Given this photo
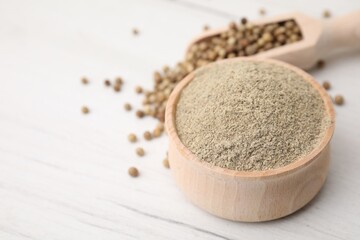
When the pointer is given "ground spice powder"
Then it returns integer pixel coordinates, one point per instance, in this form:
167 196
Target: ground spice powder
250 116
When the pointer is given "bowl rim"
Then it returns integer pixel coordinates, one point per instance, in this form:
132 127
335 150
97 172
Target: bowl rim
170 125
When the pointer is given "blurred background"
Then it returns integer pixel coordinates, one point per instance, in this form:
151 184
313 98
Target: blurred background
63 174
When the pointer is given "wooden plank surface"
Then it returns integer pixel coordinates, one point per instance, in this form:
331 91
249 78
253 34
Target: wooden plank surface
63 175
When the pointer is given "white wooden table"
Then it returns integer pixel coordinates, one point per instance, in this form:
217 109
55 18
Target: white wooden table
63 175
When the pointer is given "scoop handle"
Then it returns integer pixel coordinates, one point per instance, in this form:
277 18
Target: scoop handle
342 33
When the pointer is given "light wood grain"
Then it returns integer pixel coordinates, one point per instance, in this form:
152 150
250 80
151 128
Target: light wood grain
252 196
63 175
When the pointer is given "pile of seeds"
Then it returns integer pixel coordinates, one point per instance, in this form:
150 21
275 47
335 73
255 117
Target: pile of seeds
244 39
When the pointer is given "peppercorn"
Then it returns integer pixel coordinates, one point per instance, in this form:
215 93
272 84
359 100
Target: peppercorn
117 88
243 21
138 89
133 172
166 163
267 37
326 85
107 82
157 132
147 136
140 151
119 81
281 38
166 68
135 31
232 26
140 114
326 14
160 126
157 77
84 80
320 64
132 137
339 100
262 11
85 110
127 107
289 24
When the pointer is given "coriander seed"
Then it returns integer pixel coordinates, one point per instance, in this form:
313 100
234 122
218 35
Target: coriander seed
147 136
166 163
140 151
132 137
133 172
138 89
127 106
339 100
85 110
326 85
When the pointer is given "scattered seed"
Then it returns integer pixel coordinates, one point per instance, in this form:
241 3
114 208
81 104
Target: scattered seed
107 83
206 27
117 88
326 14
135 31
132 137
262 11
140 114
127 106
85 110
138 89
84 80
133 172
232 26
140 151
320 64
166 163
326 85
147 136
157 133
339 100
243 21
119 81
160 126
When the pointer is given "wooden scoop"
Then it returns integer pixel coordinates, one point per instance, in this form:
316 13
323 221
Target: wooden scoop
320 38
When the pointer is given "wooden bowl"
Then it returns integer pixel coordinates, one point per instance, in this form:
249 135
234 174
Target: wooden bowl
248 196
